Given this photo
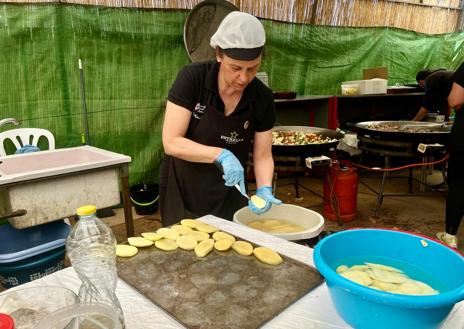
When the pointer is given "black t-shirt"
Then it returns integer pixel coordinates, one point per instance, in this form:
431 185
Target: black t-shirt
197 84
437 88
456 142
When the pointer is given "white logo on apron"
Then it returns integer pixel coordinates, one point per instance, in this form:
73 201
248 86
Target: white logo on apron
232 139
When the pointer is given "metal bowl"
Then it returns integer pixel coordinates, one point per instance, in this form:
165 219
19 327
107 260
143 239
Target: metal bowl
200 25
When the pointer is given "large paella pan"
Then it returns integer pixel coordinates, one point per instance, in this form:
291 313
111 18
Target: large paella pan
303 140
406 131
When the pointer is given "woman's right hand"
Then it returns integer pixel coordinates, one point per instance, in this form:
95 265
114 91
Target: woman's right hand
232 169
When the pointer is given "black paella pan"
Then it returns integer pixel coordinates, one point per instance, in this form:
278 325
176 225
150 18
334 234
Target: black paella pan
405 131
312 149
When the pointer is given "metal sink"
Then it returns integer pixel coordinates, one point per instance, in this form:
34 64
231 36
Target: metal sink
44 186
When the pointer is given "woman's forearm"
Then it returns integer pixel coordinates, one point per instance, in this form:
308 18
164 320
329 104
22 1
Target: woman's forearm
175 126
456 96
264 171
188 150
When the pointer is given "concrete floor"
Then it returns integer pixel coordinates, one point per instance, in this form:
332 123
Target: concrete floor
424 214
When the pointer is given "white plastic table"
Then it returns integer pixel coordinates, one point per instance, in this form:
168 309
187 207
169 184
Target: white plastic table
314 310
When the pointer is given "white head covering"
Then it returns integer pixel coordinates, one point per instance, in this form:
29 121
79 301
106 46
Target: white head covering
240 35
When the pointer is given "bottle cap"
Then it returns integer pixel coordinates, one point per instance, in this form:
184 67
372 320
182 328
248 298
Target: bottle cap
86 210
6 321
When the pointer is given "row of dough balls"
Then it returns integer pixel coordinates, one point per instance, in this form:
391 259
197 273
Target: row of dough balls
199 237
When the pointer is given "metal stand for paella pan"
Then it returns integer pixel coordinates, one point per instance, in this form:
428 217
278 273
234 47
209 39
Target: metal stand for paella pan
403 144
292 158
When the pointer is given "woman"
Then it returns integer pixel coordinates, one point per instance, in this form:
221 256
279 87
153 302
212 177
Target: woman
215 114
454 201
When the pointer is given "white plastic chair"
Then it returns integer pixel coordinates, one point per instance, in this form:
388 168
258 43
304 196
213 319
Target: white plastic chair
25 136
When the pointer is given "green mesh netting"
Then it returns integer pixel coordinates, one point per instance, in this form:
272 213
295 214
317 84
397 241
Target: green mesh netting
317 59
131 57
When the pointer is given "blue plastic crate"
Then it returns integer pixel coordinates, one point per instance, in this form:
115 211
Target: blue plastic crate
32 268
31 253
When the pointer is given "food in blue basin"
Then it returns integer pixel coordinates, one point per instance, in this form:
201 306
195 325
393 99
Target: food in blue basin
417 256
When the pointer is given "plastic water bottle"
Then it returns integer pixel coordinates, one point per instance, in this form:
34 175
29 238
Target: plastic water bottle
91 248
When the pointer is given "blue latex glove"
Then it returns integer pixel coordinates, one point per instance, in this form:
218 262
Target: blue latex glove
27 149
232 170
265 193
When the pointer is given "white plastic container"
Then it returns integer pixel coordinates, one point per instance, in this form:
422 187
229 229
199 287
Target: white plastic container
373 86
311 221
349 89
27 306
368 87
96 316
49 307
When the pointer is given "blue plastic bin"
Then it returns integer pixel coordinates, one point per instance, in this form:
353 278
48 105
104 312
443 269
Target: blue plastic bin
31 253
419 257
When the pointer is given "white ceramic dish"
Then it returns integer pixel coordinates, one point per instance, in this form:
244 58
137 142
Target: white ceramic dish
311 221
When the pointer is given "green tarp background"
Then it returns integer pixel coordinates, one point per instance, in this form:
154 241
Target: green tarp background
131 57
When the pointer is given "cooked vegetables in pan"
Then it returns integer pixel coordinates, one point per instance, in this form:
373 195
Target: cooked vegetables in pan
396 127
289 137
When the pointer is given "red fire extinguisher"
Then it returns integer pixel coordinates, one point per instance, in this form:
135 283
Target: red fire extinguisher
340 193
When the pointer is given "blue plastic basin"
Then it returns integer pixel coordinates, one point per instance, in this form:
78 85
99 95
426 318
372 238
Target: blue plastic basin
420 258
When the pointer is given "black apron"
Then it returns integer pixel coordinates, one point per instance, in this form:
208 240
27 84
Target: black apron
456 137
190 189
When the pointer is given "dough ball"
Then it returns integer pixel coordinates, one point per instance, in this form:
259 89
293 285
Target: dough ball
258 202
166 244
204 247
168 233
223 245
342 268
267 256
199 236
223 235
152 236
203 227
192 223
242 247
383 267
139 242
123 250
181 229
186 242
359 277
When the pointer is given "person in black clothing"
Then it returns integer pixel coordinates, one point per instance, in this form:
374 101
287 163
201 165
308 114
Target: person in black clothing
437 85
454 200
216 113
